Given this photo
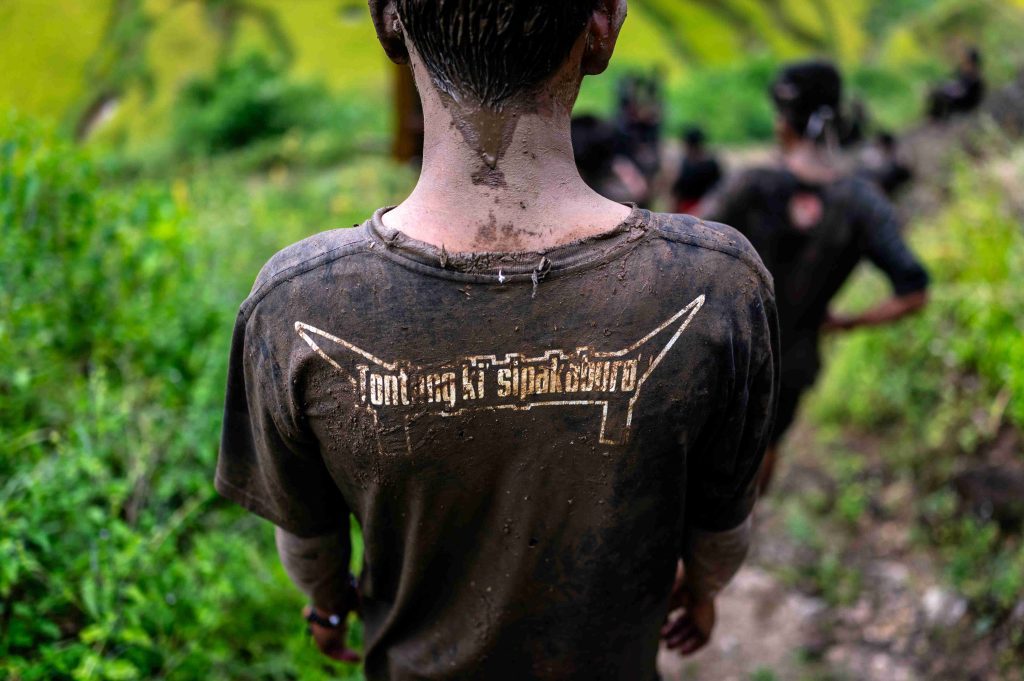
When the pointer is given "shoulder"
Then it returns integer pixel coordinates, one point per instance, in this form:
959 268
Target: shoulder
864 199
306 256
716 240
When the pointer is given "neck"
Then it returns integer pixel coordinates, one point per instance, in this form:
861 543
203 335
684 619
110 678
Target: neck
500 181
810 162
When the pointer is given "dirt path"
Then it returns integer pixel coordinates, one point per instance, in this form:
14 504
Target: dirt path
825 601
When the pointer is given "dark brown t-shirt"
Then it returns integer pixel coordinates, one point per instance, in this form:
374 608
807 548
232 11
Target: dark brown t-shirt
523 438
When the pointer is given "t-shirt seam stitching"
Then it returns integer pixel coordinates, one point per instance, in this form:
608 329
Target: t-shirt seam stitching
290 273
737 253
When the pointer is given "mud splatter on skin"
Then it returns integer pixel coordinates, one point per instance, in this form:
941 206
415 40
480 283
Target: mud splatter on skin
506 237
488 132
489 128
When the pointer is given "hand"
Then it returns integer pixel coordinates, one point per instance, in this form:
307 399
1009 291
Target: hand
691 629
331 642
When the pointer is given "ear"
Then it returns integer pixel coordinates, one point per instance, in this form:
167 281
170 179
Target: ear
389 30
602 35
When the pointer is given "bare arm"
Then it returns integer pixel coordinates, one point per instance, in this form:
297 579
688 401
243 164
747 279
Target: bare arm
710 561
889 311
319 567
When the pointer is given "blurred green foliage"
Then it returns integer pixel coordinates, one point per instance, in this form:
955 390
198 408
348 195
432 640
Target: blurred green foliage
243 102
117 561
137 55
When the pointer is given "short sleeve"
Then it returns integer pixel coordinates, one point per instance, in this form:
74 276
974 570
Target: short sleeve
884 244
265 464
722 469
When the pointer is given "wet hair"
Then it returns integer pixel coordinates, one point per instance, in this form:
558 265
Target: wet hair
694 137
491 51
807 95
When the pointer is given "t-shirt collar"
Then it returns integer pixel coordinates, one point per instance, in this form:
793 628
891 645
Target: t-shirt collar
509 266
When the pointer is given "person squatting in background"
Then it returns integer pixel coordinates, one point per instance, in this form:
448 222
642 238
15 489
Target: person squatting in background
883 164
964 93
812 222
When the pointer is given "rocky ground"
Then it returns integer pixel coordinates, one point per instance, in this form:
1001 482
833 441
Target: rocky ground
822 599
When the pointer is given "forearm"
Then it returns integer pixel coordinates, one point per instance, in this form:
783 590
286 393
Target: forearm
712 559
319 567
891 310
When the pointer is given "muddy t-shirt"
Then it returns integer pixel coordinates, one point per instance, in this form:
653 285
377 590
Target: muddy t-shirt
523 438
811 263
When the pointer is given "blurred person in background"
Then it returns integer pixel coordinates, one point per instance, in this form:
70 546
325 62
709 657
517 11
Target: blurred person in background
639 122
854 124
964 93
534 400
812 223
699 175
611 175
883 164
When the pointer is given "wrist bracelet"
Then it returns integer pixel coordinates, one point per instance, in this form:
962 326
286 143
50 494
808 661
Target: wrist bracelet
329 622
335 621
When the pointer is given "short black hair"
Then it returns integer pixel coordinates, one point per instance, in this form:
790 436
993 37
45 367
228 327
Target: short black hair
807 91
490 51
974 55
694 136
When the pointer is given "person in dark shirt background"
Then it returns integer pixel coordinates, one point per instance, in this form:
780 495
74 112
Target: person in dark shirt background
812 223
699 175
964 93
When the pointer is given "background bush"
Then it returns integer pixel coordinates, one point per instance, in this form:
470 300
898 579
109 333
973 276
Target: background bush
117 561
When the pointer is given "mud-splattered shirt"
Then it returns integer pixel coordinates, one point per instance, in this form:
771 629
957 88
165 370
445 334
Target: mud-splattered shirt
523 438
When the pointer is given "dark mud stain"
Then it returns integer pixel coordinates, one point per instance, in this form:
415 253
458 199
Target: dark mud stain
488 131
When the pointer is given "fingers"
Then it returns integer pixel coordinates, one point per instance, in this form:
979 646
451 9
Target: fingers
331 642
684 636
343 655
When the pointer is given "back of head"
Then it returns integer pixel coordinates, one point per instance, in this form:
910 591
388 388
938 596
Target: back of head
694 137
491 51
808 95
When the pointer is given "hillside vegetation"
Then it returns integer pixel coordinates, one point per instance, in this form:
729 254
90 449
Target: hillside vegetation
136 55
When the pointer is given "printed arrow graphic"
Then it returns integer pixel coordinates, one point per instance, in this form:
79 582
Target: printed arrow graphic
609 380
